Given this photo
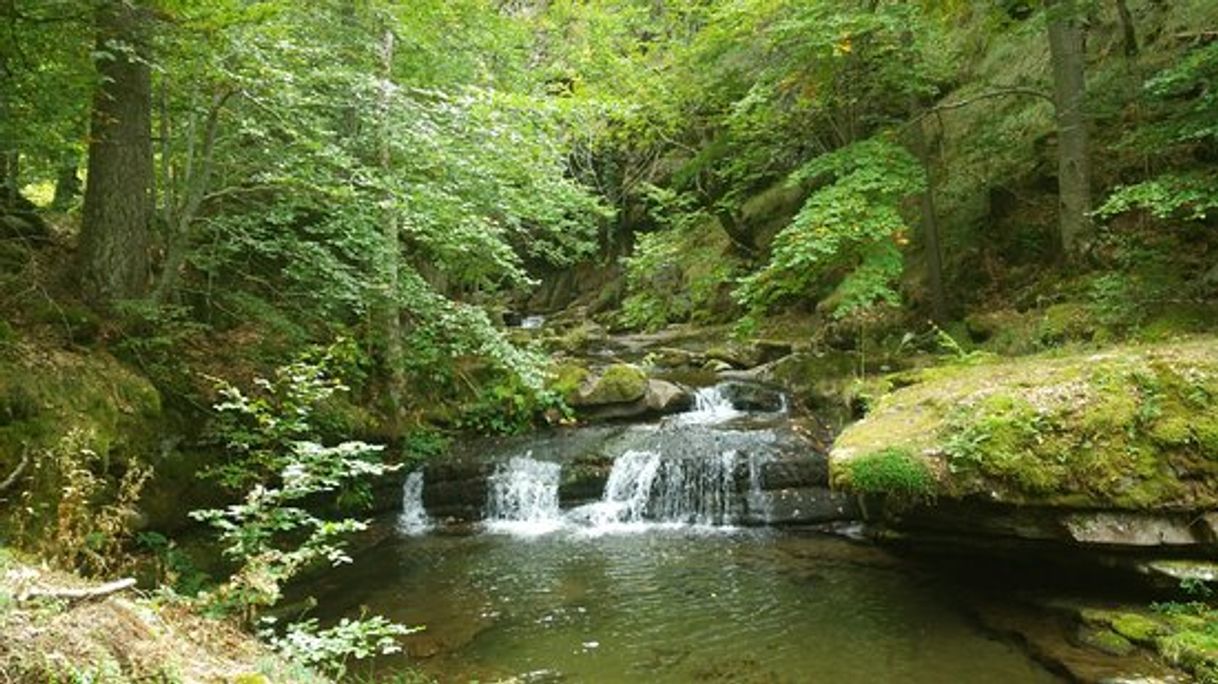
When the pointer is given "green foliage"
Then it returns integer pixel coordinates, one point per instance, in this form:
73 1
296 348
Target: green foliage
1190 196
269 533
1183 99
676 273
853 223
154 337
510 408
332 648
894 472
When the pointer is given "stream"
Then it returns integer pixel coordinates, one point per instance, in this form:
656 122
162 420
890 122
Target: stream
671 575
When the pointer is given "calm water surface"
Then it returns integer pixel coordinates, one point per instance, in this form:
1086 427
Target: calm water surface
667 604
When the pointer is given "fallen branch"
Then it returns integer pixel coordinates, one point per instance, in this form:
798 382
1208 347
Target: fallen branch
1197 36
87 594
16 474
1005 92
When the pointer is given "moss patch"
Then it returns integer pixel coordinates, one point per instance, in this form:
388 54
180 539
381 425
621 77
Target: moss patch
893 471
619 383
566 379
1129 428
47 396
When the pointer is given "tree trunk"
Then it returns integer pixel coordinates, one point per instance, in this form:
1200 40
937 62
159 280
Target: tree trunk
930 216
930 223
116 231
10 178
391 321
67 182
1127 29
1066 49
179 218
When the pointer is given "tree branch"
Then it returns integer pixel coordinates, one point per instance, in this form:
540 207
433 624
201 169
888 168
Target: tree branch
87 594
1005 92
16 474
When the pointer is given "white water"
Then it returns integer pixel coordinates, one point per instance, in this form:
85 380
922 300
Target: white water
627 492
644 490
711 406
413 519
522 497
680 485
532 322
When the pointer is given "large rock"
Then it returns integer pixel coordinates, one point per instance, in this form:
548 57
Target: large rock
1130 429
801 506
665 397
1100 458
618 384
748 396
1131 529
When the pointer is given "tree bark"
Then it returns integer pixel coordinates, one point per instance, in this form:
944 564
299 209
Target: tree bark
10 178
1130 35
930 224
1068 55
116 228
196 181
930 216
67 182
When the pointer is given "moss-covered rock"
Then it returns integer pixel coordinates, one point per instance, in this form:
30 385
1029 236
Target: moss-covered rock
54 401
618 384
566 379
1130 428
892 472
1106 641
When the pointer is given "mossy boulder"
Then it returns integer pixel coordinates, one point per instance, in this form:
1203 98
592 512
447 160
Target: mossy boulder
86 408
618 384
1131 428
567 379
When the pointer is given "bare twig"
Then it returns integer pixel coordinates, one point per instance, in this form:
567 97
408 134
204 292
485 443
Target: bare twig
86 594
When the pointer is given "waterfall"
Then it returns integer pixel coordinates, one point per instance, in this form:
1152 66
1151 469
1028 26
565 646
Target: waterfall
758 502
626 493
532 322
413 518
696 490
711 405
646 487
522 497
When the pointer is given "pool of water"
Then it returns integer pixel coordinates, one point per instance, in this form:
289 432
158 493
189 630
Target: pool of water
666 604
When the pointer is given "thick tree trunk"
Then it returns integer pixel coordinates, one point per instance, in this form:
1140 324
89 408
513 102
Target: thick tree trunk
1066 48
116 231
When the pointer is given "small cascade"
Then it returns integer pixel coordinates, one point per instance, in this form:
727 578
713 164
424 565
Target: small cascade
711 405
523 497
757 501
627 492
644 486
697 490
532 322
413 519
